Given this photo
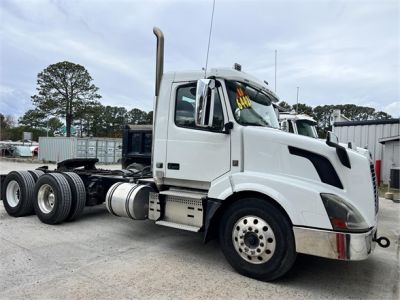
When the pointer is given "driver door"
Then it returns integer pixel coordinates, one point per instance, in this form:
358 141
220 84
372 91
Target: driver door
196 154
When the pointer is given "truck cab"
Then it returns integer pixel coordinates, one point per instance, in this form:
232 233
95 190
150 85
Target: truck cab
298 124
218 138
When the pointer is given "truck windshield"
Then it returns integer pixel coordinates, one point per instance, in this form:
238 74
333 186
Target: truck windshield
307 128
251 106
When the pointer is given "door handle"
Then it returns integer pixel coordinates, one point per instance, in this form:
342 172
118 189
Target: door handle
173 166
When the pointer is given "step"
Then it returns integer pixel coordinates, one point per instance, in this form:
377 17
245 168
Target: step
179 226
184 194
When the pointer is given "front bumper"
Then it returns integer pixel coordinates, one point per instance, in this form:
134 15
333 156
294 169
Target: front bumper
335 245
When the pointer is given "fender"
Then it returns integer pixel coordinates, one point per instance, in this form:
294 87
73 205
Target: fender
299 198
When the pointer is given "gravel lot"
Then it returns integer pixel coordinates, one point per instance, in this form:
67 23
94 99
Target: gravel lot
102 256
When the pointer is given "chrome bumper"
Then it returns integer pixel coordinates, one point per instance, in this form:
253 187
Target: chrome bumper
336 245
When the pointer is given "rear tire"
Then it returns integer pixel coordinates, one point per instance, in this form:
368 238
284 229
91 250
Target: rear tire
257 239
52 198
78 193
18 193
36 174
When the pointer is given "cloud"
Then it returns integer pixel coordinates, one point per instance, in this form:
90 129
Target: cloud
393 109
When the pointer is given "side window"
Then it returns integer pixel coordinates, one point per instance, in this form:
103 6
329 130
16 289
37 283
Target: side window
185 108
185 105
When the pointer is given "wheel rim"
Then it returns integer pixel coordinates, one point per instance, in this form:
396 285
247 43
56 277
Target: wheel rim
253 239
13 193
46 198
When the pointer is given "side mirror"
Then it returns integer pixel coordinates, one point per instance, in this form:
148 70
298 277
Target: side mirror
205 94
277 113
332 139
284 126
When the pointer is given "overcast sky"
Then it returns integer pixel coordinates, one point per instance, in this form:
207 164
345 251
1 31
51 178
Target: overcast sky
337 51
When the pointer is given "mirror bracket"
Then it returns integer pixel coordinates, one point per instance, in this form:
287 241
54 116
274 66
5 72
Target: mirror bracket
228 127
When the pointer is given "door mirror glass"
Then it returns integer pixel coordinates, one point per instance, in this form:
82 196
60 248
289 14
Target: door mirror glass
277 113
284 126
205 95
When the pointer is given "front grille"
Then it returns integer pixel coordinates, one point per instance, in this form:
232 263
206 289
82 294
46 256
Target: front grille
374 184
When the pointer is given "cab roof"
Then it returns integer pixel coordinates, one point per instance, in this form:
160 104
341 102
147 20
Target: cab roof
225 73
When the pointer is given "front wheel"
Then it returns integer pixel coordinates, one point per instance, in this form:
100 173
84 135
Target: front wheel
257 239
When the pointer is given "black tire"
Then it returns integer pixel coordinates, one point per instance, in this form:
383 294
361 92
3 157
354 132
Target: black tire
282 257
78 192
56 185
18 202
36 174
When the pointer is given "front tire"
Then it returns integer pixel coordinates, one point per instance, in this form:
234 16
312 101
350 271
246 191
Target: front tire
52 198
257 239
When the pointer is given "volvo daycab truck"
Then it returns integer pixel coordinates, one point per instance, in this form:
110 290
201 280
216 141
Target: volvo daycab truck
222 167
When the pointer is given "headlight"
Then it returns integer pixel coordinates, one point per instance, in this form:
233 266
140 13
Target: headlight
343 215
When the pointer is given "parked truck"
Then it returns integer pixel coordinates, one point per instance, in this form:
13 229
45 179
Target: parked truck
222 167
298 123
305 125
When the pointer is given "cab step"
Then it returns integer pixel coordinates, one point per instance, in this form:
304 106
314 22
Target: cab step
178 226
193 195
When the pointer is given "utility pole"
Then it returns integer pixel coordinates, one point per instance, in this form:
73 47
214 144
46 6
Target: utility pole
297 101
276 65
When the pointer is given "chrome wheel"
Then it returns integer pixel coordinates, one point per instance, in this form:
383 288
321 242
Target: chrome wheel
13 193
46 198
253 239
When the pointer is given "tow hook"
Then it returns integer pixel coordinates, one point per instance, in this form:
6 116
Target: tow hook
382 241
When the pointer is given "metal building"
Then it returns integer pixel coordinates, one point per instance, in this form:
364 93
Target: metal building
391 159
368 134
56 149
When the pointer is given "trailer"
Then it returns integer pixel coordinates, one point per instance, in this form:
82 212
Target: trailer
221 166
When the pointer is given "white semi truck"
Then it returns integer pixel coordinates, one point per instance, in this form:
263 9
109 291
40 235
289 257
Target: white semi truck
305 125
298 123
222 167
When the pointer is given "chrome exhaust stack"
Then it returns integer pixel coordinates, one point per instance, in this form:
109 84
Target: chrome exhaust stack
160 58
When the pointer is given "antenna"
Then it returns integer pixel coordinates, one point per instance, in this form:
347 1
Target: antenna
209 38
276 65
297 105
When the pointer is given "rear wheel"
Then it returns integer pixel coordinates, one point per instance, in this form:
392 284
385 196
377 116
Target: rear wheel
36 174
17 193
78 193
257 239
52 198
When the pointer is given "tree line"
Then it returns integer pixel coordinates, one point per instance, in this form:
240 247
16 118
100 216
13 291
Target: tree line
98 120
322 113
